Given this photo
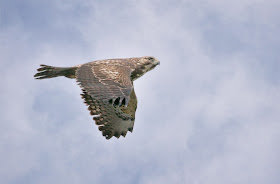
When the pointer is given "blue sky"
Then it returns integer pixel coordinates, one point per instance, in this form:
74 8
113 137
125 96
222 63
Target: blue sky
209 113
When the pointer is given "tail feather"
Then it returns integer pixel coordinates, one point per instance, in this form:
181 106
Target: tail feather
45 72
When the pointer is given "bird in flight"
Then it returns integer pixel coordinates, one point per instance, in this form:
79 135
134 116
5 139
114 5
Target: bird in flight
107 89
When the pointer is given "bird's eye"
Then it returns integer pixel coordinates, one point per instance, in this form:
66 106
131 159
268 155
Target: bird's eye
150 58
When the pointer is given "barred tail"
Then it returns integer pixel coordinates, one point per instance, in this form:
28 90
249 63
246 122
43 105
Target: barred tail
46 72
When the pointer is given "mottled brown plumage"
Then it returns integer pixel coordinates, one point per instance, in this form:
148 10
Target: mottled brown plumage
107 87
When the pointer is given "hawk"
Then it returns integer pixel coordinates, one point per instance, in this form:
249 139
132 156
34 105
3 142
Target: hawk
107 89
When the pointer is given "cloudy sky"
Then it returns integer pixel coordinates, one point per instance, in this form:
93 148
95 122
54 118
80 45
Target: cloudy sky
210 113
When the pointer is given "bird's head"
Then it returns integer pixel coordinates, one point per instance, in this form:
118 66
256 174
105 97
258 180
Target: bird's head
150 62
145 64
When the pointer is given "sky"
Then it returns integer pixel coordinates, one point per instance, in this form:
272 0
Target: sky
210 113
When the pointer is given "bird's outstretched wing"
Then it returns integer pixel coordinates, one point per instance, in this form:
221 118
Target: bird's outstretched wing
113 120
107 80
